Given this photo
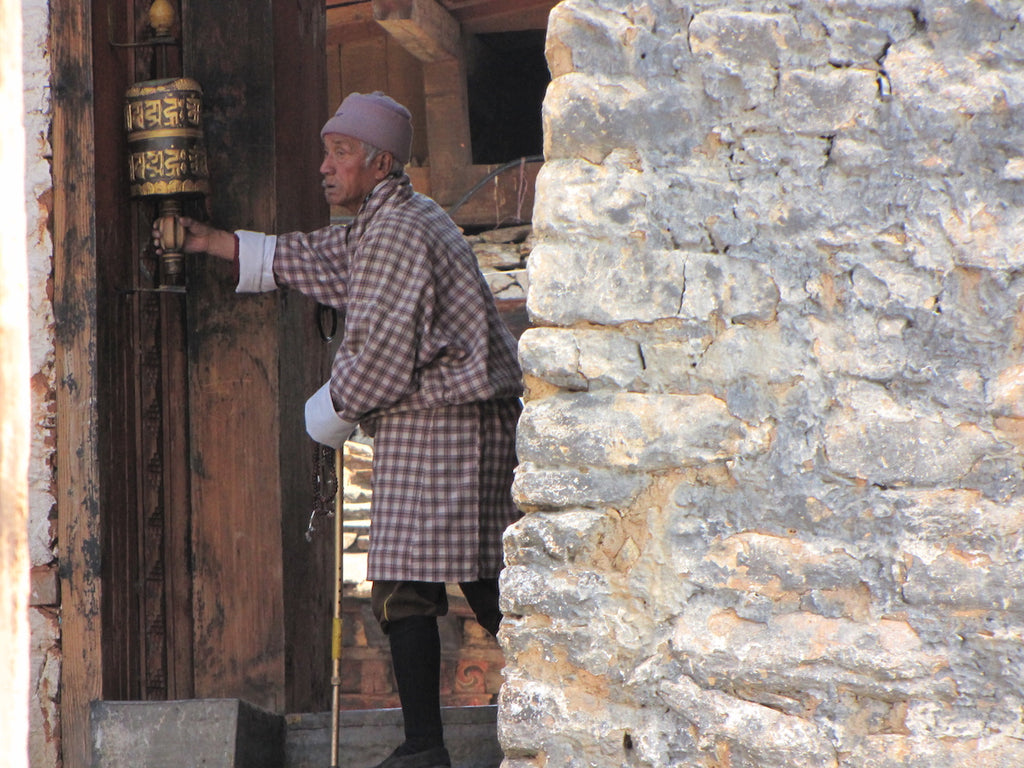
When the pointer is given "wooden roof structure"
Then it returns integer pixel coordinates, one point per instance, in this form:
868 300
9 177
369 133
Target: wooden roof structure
421 53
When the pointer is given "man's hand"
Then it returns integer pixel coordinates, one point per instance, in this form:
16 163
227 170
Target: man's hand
199 238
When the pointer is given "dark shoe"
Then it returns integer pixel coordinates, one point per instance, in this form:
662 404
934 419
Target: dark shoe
430 758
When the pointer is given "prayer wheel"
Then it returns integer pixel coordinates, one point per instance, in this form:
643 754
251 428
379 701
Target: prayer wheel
167 161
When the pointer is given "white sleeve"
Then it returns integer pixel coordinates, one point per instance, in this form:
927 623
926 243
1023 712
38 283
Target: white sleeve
255 262
323 423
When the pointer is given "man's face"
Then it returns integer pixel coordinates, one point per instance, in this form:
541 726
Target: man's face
347 179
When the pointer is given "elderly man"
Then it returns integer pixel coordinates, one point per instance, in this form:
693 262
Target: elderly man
427 367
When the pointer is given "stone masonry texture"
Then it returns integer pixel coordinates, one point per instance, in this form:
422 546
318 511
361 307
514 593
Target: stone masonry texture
44 621
772 457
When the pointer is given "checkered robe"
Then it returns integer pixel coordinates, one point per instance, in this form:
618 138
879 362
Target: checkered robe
427 366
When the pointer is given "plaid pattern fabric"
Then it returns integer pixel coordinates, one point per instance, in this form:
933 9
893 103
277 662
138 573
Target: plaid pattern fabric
421 328
428 367
441 492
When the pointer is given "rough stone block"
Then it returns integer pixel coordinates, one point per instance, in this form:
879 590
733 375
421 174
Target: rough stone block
544 487
569 596
760 40
896 750
528 709
766 354
670 364
589 118
799 653
736 291
583 37
580 359
859 42
824 103
754 736
632 431
584 117
956 580
44 674
787 157
560 537
876 439
552 354
604 286
1006 392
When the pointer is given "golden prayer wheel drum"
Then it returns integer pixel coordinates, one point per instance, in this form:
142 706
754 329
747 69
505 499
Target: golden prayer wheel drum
165 138
167 160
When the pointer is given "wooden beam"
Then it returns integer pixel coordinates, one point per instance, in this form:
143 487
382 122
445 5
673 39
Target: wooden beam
423 28
357 32
74 284
448 139
486 16
506 199
349 13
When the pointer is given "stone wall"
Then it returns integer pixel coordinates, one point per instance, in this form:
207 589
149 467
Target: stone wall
44 718
772 448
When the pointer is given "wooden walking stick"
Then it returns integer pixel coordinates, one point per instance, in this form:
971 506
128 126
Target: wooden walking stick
339 583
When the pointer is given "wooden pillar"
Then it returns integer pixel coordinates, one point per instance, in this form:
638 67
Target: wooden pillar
304 358
74 267
447 101
428 32
74 280
14 405
261 64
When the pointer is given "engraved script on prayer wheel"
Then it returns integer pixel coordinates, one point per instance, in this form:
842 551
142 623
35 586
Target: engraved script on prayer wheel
165 139
167 158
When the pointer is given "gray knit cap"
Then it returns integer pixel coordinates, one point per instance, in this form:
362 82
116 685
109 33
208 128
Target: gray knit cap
376 119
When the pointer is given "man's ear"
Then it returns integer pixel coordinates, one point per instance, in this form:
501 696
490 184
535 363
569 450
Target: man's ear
384 162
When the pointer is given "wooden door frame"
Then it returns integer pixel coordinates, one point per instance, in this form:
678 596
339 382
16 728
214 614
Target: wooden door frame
80 398
75 284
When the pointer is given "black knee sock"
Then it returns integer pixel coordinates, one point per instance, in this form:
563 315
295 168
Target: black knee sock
416 658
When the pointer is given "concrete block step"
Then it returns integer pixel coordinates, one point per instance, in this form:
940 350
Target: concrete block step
230 733
367 736
194 733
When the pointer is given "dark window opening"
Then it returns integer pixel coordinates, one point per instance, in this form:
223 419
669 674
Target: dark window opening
507 76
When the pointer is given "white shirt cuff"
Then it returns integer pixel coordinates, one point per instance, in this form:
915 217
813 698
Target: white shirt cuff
255 262
323 423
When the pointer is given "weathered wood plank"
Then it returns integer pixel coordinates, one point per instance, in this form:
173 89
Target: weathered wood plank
353 33
447 105
423 27
234 378
405 85
349 13
74 234
335 89
177 501
506 199
490 16
304 360
364 65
